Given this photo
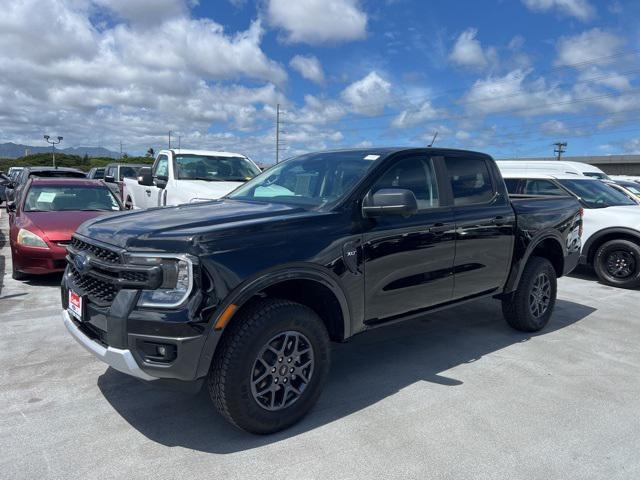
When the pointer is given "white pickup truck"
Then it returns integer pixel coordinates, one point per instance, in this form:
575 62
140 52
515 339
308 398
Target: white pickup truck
187 176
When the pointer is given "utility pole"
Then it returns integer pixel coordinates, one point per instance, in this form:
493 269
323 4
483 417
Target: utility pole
279 132
53 147
169 139
120 149
560 149
179 138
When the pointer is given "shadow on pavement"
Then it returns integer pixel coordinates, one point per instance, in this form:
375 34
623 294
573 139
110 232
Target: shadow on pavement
367 369
584 273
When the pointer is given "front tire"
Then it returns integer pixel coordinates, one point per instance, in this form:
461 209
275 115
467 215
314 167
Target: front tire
271 367
617 263
530 307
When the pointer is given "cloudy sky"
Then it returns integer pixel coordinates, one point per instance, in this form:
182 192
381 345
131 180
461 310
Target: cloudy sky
509 77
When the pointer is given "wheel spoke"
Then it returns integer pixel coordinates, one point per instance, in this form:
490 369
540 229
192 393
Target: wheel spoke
284 367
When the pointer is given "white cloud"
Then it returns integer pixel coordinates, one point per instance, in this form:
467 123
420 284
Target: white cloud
129 81
510 93
589 46
309 67
145 11
369 95
411 117
318 21
468 52
580 9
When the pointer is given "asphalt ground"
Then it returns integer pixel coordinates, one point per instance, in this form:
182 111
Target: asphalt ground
456 395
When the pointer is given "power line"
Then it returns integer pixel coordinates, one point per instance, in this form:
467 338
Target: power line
560 149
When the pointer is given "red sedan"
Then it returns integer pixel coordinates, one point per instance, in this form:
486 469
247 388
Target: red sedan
47 214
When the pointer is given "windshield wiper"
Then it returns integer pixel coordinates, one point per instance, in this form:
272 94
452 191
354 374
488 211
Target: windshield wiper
206 179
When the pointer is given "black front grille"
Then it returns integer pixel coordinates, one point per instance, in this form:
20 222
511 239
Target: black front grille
134 276
99 291
101 253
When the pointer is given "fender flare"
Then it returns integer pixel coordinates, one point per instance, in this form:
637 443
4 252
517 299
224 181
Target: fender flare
518 267
255 284
588 255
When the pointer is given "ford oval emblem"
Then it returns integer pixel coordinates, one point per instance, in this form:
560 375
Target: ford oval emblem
82 263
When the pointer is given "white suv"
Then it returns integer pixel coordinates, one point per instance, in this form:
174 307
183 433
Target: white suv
611 222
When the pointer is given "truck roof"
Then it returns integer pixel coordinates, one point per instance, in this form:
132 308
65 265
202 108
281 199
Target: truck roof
215 153
534 174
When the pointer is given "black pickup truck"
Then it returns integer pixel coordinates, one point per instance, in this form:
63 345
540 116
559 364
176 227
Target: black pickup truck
245 293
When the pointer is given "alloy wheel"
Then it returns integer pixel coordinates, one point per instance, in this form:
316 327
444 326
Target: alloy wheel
282 370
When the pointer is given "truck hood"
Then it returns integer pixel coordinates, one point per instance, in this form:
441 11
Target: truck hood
173 227
205 190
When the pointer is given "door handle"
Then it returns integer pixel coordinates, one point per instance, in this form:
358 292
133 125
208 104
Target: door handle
439 228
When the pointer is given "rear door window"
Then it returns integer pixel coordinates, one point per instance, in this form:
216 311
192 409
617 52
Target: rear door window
542 187
470 180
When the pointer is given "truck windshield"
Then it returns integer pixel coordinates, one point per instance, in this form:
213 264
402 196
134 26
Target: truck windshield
313 180
214 168
47 198
596 194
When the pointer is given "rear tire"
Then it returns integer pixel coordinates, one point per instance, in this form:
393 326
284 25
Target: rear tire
271 366
530 307
617 263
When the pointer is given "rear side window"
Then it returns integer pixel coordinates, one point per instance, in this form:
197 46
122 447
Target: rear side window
542 187
470 180
512 185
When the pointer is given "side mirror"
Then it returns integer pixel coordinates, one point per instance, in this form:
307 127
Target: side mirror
109 179
144 177
11 206
160 182
390 201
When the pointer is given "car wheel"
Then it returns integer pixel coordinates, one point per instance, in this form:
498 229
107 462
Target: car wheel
17 275
530 307
271 367
617 263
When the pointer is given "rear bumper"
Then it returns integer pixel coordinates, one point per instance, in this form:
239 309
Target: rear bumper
120 359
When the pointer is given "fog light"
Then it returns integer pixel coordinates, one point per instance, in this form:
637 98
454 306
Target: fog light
162 351
158 352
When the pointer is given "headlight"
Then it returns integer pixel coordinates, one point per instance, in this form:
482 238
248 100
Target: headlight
177 280
30 239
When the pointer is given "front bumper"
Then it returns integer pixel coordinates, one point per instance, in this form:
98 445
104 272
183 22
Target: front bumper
39 261
124 335
120 359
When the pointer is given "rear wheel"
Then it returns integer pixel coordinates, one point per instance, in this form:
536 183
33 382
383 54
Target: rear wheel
617 263
271 366
529 308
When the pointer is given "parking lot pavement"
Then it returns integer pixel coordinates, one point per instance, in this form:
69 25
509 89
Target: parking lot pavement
455 395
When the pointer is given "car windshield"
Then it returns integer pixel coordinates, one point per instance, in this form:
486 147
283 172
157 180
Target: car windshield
214 168
600 175
631 186
313 180
45 198
595 194
99 174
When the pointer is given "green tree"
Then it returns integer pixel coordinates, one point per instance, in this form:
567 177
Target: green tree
85 159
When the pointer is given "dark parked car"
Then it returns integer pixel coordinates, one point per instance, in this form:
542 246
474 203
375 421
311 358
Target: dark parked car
46 216
115 173
4 181
96 173
246 292
23 176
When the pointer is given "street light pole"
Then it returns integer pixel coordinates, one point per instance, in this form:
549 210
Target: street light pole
53 147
